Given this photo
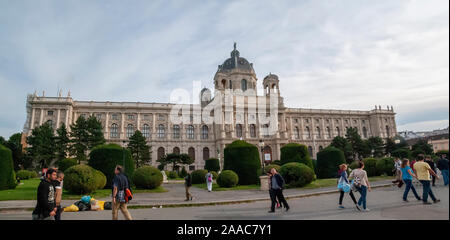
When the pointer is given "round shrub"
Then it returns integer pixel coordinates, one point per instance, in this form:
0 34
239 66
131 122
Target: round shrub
198 176
212 164
82 179
243 159
385 166
7 174
328 161
353 165
227 179
370 165
66 163
100 179
106 157
297 174
215 175
270 166
147 177
294 152
25 174
172 175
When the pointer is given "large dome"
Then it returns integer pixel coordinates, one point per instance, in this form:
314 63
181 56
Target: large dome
236 62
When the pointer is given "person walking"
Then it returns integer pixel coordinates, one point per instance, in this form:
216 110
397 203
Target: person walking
277 185
271 192
343 178
46 208
361 183
187 185
58 184
209 180
432 166
407 177
398 173
120 184
442 165
423 171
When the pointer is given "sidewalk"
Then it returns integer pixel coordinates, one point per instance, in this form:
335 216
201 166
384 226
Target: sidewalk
176 195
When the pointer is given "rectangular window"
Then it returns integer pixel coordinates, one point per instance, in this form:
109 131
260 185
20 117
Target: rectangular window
50 113
191 168
99 116
161 117
114 117
130 117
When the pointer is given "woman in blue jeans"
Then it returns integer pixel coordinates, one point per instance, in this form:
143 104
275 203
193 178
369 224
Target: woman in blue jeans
407 177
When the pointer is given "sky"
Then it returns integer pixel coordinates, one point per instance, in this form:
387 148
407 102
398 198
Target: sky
349 55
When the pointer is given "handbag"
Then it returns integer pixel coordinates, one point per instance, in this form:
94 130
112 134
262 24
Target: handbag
128 195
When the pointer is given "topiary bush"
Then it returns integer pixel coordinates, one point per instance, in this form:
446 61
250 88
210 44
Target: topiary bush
294 152
296 174
172 174
66 163
328 161
276 162
227 179
147 177
82 179
7 174
270 166
100 179
243 159
215 175
198 176
106 157
370 165
212 164
314 161
25 174
385 166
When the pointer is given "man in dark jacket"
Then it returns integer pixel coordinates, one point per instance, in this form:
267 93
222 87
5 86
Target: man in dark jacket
432 166
442 165
46 208
187 185
276 186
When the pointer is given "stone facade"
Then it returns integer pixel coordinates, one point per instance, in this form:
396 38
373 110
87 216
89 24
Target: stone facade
236 81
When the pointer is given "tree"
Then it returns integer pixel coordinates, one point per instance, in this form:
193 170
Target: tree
95 132
79 139
42 145
376 146
356 142
390 146
61 142
2 141
423 146
139 149
342 144
172 158
14 143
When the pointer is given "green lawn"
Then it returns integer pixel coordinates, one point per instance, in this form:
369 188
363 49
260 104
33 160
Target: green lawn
28 191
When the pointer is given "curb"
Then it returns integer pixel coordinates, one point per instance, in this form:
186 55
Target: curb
213 203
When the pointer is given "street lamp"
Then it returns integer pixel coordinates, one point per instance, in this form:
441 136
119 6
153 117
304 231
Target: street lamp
261 145
123 155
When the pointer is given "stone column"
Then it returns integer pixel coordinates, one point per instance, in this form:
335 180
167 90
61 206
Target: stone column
107 125
154 125
32 119
122 129
41 117
302 129
58 118
138 121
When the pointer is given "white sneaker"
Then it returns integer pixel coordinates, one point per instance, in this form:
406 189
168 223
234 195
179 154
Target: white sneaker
366 210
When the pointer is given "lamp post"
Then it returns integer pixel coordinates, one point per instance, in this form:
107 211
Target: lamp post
123 154
261 145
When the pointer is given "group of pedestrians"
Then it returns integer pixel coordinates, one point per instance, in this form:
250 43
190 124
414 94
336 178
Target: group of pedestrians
360 183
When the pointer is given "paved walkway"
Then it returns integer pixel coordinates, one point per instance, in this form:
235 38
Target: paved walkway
176 196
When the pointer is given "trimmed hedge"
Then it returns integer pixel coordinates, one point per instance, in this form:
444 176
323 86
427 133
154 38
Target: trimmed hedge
328 161
297 174
385 166
83 179
294 152
353 165
212 164
276 162
66 163
105 158
370 165
243 159
7 174
172 174
147 177
270 166
198 176
215 175
227 179
25 174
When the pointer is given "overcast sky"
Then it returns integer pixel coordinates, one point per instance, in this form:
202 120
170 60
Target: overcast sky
348 55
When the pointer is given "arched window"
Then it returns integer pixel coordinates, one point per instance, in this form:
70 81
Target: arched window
364 132
267 89
244 85
318 133
191 153
310 151
176 150
274 88
320 148
190 132
266 130
238 130
161 153
146 131
205 153
161 131
176 131
296 133
307 133
224 83
328 133
130 130
114 130
387 131
252 130
230 84
338 131
205 132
